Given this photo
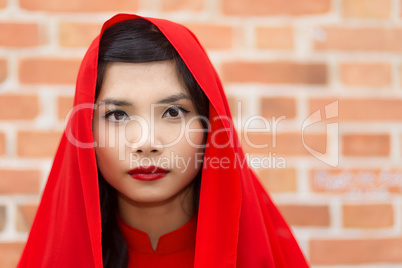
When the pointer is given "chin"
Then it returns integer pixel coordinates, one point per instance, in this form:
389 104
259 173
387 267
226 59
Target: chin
146 198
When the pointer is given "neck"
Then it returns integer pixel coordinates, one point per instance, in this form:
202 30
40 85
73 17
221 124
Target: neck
158 218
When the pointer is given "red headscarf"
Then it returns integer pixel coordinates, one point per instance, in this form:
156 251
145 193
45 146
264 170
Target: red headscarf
238 225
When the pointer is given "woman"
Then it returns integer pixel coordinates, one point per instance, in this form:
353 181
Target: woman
147 92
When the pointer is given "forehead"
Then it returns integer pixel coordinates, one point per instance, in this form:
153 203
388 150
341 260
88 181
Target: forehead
141 81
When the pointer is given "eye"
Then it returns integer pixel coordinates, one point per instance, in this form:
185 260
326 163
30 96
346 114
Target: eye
175 112
116 115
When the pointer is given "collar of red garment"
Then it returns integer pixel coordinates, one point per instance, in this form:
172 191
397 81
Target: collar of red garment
174 241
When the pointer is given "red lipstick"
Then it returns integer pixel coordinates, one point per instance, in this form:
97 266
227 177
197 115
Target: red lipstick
149 173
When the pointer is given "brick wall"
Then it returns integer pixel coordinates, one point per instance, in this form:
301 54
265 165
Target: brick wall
335 175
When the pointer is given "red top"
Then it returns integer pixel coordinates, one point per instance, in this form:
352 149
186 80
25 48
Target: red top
175 249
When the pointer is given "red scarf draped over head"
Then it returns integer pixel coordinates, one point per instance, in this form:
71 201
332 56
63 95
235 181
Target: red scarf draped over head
238 225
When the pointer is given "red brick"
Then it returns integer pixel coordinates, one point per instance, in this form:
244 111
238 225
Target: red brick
367 109
38 144
237 105
366 145
2 218
74 34
275 7
182 5
80 5
18 107
305 215
359 251
288 144
275 37
20 35
3 3
274 73
366 74
48 71
277 107
278 180
19 181
64 105
367 215
25 216
3 70
10 253
371 9
212 36
360 39
2 144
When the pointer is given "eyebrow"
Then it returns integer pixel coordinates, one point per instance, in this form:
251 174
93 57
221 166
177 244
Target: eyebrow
174 98
170 99
115 102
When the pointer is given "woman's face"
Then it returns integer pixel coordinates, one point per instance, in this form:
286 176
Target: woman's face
145 117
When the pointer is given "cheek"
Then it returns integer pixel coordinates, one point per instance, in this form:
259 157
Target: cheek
189 140
109 165
108 135
192 145
100 133
107 149
103 157
195 134
169 134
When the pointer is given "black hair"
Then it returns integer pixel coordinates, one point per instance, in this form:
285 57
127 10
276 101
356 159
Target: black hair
138 41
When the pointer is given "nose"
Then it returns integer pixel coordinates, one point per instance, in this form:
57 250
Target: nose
143 141
148 149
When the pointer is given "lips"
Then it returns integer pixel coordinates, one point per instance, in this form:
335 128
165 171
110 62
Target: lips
149 173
